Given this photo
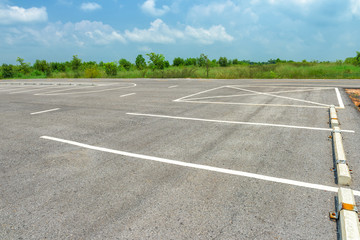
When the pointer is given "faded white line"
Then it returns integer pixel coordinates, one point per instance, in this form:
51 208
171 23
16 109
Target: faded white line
254 94
341 103
11 89
84 92
251 104
179 99
202 167
45 111
173 86
235 122
39 88
289 98
125 95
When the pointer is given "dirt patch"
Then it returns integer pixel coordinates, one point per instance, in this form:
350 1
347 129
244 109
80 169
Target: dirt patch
354 94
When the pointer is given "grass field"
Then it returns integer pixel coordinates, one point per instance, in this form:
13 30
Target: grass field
291 70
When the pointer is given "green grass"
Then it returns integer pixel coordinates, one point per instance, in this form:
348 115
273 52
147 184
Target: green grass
296 70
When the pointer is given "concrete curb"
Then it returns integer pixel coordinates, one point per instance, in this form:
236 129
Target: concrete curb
333 117
343 173
347 215
342 169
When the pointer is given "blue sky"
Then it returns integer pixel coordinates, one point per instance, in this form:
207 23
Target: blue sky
108 30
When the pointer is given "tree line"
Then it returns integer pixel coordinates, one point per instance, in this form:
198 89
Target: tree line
156 62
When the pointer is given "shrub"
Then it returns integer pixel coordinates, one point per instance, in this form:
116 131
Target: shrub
223 62
110 69
92 72
75 63
140 62
7 71
178 62
190 62
123 63
157 61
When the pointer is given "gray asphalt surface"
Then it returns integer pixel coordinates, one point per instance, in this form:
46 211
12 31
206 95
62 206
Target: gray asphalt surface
54 190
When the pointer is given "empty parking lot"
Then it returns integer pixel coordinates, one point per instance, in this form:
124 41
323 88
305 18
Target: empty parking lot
171 159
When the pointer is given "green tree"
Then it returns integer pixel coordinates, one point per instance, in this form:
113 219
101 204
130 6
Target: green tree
42 66
178 61
75 63
190 61
223 62
24 67
205 62
110 69
123 63
7 71
157 61
357 58
140 62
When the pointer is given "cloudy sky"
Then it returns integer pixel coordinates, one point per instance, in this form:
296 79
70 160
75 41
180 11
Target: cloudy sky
108 30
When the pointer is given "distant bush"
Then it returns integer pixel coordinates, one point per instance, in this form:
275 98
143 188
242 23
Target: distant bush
110 69
223 62
125 64
190 62
178 62
75 63
140 62
92 72
7 71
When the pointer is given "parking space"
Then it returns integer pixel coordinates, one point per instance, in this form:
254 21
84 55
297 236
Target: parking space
135 159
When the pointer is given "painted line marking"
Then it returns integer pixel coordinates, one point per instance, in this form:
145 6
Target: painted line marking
39 88
252 104
12 88
202 167
235 122
50 110
57 93
272 95
130 94
254 94
173 86
341 103
179 99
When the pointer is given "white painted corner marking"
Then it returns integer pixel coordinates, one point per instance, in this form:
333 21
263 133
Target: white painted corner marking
202 167
341 103
45 111
129 94
236 122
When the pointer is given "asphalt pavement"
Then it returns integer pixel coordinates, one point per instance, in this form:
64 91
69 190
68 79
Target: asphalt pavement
172 158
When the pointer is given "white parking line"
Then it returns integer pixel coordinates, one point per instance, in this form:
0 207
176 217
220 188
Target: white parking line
341 103
254 94
61 92
234 122
50 110
39 88
202 167
173 86
272 95
125 95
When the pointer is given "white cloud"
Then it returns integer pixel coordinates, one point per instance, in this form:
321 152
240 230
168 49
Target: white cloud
209 36
81 33
160 32
149 7
15 14
90 6
355 7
